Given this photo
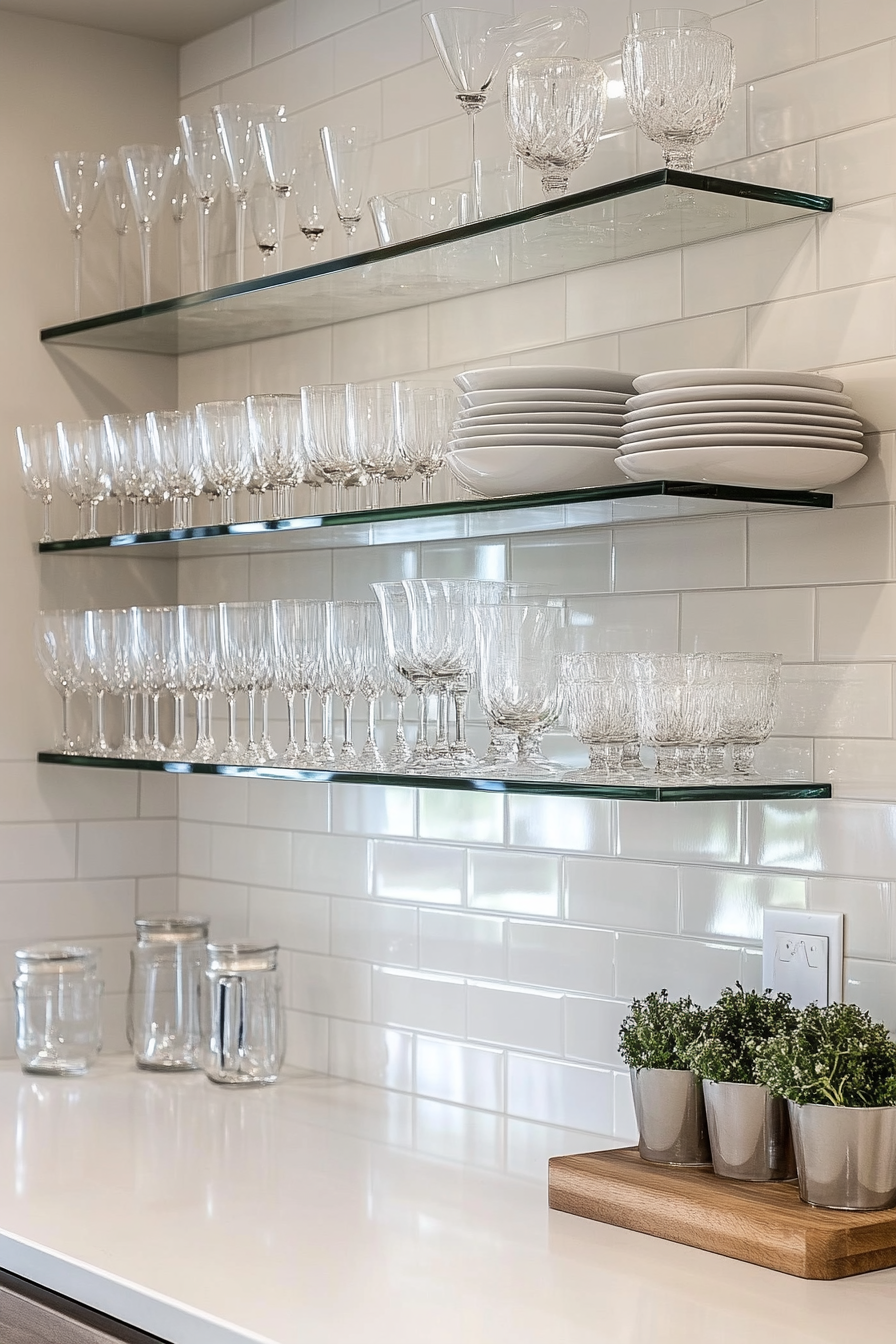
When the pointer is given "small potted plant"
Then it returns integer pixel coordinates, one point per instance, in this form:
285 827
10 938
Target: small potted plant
837 1071
749 1129
653 1041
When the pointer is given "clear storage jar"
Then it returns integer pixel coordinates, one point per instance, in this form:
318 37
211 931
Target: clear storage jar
246 1038
166 990
58 1008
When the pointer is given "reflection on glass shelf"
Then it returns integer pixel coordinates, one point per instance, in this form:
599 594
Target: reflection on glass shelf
456 519
630 218
751 787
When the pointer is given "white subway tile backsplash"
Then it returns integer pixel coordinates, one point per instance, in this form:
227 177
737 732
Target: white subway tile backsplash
840 837
821 547
625 1125
681 832
822 98
273 31
464 330
868 907
225 903
214 57
872 985
330 986
621 624
592 1029
508 1015
793 25
287 806
428 874
316 21
514 883
560 1094
645 963
374 931
560 956
382 46
652 556
468 1075
626 294
463 943
336 865
252 855
105 848
857 244
419 1000
715 339
835 327
307 1041
568 563
32 792
774 621
620 894
560 823
839 29
750 267
858 165
205 798
857 622
363 811
294 919
728 903
467 818
370 1054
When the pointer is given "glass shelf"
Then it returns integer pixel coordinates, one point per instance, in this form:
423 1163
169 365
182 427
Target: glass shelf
455 519
648 793
629 218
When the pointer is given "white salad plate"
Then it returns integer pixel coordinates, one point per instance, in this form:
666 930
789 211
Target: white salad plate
573 396
723 439
521 471
673 378
655 421
739 392
492 429
732 407
772 468
526 440
761 433
544 375
557 417
600 410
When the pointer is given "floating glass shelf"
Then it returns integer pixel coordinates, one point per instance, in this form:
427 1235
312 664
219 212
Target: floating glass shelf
629 218
455 519
648 793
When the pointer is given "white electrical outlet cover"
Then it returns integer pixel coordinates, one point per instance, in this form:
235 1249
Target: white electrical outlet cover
804 922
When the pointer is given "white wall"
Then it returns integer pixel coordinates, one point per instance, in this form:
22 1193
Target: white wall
481 949
77 852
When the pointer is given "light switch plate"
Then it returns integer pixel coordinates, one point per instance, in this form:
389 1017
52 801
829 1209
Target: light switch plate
802 954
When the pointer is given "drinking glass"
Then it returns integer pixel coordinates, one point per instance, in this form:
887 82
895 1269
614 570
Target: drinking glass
679 77
423 417
325 422
59 647
225 450
749 704
147 170
517 645
371 433
172 439
39 458
166 992
275 435
675 709
198 637
244 631
348 157
100 672
322 676
179 197
83 469
278 162
175 680
296 630
373 683
118 201
153 629
347 633
246 1034
79 175
238 136
400 688
263 216
58 1008
601 704
205 169
311 194
554 109
126 450
124 677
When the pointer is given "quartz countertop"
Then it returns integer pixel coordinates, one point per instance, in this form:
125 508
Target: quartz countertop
325 1212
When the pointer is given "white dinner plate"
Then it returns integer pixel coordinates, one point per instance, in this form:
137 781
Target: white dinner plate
521 471
657 382
649 419
762 468
544 375
534 440
497 429
723 439
737 430
739 392
472 417
573 396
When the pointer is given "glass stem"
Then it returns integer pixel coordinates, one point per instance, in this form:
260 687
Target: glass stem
290 721
441 747
240 238
177 742
460 719
47 536
326 731
179 254
67 744
347 703
146 727
252 720
146 260
208 740
122 271
101 744
400 738
306 719
92 532
371 724
156 739
231 721
202 221
77 241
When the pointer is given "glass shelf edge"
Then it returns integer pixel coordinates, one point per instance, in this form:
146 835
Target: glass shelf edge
768 790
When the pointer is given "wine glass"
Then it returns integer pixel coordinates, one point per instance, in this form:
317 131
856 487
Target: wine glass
275 433
311 193
678 76
225 450
554 109
238 135
172 437
266 229
197 634
118 201
151 641
372 683
423 416
371 433
39 458
79 175
749 702
296 629
276 150
325 418
347 630
348 156
205 170
59 646
83 470
175 677
147 171
125 447
179 196
601 703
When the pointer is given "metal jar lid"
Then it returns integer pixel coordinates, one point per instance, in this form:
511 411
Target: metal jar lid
172 928
55 959
237 957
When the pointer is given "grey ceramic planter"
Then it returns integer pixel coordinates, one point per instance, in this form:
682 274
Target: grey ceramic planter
845 1155
749 1132
671 1117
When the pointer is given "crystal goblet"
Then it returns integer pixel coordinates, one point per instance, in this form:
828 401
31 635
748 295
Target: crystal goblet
554 109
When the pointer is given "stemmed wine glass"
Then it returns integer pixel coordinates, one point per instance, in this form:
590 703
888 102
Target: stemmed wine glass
326 411
59 646
599 693
237 125
83 468
348 156
372 683
151 641
347 631
79 175
276 138
118 201
171 436
179 197
422 418
198 637
147 170
296 628
275 433
554 110
310 194
225 450
39 456
266 228
205 170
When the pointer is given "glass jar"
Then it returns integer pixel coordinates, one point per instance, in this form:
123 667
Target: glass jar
246 1036
58 1008
166 989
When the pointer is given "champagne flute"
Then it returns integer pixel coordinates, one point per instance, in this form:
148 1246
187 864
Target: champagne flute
264 210
79 175
179 199
205 170
237 125
348 156
147 171
119 204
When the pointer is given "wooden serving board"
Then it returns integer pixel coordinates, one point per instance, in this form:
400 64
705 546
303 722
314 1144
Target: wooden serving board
764 1224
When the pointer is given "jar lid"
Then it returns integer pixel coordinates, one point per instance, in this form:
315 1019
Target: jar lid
172 928
242 956
56 959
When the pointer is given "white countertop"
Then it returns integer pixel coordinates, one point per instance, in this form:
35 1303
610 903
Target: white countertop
323 1212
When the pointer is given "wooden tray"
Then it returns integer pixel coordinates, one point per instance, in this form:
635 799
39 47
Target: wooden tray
762 1224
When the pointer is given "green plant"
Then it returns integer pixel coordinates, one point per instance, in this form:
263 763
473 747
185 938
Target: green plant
836 1056
733 1030
658 1032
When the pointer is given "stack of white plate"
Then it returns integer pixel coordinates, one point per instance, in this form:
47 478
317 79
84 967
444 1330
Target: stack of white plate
754 427
532 428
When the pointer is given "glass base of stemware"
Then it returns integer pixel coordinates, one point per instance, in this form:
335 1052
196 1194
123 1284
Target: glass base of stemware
398 758
233 754
595 775
298 758
203 753
371 759
176 750
530 768
255 754
324 757
267 746
347 758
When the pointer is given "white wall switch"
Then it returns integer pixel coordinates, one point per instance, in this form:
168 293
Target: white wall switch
802 955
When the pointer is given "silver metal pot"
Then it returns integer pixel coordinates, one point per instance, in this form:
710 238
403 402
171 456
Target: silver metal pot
749 1132
845 1155
671 1117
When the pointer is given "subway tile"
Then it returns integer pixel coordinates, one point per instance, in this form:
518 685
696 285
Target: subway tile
206 798
653 556
316 21
837 326
374 931
371 348
872 985
838 836
620 894
792 23
416 97
287 805
209 59
567 824
822 98
382 46
876 482
369 1054
857 622
728 903
560 956
202 581
156 895
465 560
751 267
625 1124
158 796
286 364
33 792
294 919
270 578
681 832
858 165
273 31
462 943
592 1029
839 28
464 330
858 244
858 766
194 849
868 910
776 621
872 387
837 546
560 1094
402 164
358 107
251 854
431 874
601 352
38 910
506 1015
330 986
360 810
716 339
514 883
627 624
578 562
791 167
645 963
111 849
224 903
467 1075
307 1041
468 818
625 294
422 1001
333 865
